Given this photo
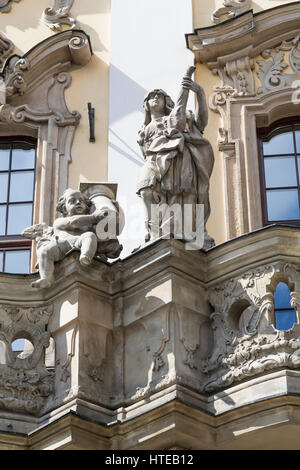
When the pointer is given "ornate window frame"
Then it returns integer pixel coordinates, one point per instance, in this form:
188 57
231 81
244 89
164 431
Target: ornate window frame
262 133
234 51
32 103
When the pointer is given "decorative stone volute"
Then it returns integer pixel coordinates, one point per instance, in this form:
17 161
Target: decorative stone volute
59 15
32 100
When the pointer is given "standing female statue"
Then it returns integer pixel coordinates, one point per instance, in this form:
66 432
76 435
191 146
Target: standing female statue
178 159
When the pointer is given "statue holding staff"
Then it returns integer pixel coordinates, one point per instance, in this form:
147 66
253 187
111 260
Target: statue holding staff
178 159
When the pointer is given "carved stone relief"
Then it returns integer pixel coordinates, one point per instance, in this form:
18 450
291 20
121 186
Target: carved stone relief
34 98
5 5
230 9
189 335
25 382
58 15
6 48
257 346
230 49
82 227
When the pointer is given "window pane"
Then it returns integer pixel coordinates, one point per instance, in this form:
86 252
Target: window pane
17 262
19 217
297 138
280 144
282 297
1 261
18 344
4 157
2 219
3 186
283 204
23 156
284 319
280 171
21 186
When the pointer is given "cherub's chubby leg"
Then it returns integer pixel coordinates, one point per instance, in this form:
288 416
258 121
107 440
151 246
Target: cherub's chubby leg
87 243
47 255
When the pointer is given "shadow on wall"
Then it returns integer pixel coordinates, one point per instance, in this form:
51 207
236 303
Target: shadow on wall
126 97
129 97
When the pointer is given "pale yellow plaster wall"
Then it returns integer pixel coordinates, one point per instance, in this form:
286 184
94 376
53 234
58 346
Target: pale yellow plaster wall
202 11
216 222
23 26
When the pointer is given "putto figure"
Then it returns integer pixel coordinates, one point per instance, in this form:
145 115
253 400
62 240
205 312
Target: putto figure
178 159
76 229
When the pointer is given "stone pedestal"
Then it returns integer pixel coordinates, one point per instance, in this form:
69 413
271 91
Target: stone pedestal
137 351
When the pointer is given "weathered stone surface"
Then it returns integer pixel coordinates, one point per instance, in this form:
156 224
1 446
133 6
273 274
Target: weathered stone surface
174 181
59 15
89 223
160 327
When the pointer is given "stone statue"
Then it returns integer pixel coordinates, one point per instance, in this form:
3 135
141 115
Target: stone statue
78 228
178 159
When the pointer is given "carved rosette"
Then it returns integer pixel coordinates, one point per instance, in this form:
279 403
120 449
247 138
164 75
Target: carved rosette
25 382
241 352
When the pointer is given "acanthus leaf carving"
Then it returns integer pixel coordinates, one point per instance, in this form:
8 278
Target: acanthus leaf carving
258 346
271 73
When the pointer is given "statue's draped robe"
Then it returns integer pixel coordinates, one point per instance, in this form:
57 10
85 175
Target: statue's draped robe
177 163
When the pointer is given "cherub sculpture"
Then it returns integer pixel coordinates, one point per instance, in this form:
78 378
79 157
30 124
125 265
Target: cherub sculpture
74 230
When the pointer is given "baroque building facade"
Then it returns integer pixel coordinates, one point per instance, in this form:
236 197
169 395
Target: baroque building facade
134 339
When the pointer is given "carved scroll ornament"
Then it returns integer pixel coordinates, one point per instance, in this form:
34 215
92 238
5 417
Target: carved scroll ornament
231 9
32 93
58 15
271 73
6 48
257 346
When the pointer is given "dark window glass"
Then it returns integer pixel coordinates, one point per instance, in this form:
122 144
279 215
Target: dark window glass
17 180
279 148
284 315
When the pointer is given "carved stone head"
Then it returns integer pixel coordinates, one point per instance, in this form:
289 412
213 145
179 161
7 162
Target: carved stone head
73 202
156 94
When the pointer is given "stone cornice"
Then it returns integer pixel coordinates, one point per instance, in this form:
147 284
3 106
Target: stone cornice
254 31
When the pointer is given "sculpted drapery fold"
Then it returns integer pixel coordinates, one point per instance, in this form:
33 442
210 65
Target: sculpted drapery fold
178 159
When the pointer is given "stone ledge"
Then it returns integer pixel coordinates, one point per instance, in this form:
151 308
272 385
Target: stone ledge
173 424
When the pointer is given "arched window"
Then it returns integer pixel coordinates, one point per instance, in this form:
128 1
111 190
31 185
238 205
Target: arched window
279 149
17 182
284 313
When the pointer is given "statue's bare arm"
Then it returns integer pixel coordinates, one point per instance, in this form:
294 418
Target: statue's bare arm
178 115
75 221
201 113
